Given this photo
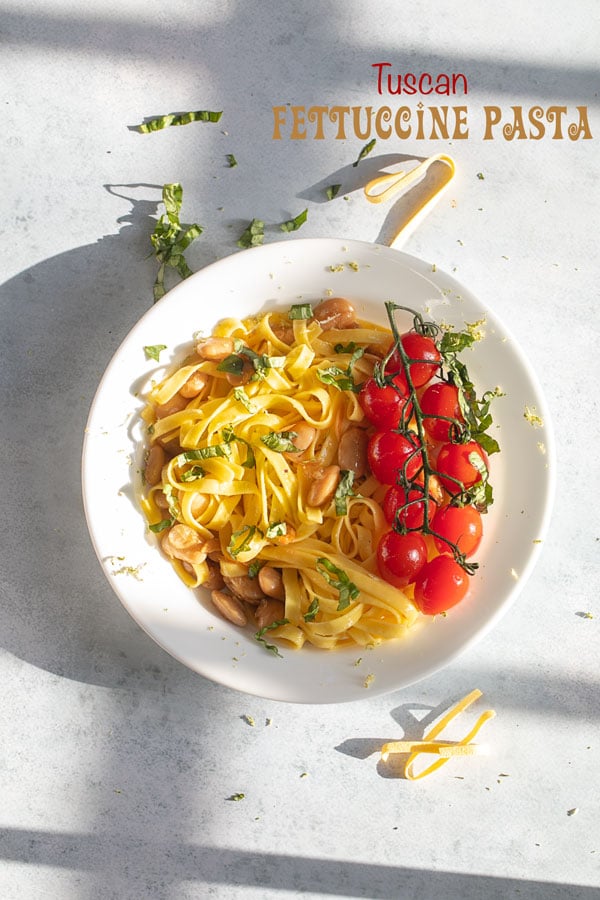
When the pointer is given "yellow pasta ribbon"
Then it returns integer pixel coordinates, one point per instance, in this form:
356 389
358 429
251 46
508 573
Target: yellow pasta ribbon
444 750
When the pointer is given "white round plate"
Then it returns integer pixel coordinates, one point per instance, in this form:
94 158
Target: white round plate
275 276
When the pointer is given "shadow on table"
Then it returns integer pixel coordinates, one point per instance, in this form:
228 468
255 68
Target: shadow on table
62 321
145 863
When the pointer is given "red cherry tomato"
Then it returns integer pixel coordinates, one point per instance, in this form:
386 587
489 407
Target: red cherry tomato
440 585
400 557
388 452
440 399
384 406
453 461
416 346
414 515
461 525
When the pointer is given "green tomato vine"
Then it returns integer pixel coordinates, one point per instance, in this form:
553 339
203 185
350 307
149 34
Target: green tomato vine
476 422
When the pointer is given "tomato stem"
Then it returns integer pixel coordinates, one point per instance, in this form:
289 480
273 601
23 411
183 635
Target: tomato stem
418 439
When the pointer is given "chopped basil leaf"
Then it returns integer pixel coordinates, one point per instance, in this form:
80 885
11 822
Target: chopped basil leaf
476 413
347 589
312 611
332 191
153 351
281 441
160 526
231 160
242 397
277 529
201 453
455 342
346 348
343 491
294 224
160 122
337 378
300 311
234 547
253 235
259 636
229 436
172 501
170 238
232 364
193 474
365 152
480 494
341 378
254 568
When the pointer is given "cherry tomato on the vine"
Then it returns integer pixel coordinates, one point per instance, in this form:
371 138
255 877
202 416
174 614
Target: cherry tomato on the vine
389 453
400 557
440 585
384 406
414 514
416 346
453 465
440 399
461 525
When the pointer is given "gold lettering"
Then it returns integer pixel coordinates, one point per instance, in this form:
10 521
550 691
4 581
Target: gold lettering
356 111
339 113
493 115
536 116
402 115
581 128
555 114
278 120
298 132
461 129
315 114
384 114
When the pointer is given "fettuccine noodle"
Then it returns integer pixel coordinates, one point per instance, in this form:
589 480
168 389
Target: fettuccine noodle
246 486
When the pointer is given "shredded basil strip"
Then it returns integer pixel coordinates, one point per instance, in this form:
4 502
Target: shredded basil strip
281 441
232 364
480 493
253 235
313 609
193 474
160 122
346 588
365 152
332 191
259 636
242 397
153 351
346 348
201 453
300 311
170 238
172 501
231 160
342 378
229 435
234 549
255 567
455 342
343 491
160 526
337 378
296 223
476 413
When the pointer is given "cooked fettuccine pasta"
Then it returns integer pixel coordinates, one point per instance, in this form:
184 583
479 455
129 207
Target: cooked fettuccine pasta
256 481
